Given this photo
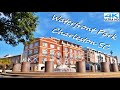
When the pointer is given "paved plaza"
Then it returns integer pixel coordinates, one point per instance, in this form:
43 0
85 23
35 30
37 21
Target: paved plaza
61 75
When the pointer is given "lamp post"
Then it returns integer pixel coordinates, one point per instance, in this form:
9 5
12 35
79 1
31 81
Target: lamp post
111 52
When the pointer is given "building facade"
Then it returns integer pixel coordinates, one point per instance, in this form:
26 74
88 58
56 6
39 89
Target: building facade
52 49
97 56
62 52
13 59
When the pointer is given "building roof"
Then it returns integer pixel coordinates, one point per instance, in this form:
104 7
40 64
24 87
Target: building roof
6 56
59 40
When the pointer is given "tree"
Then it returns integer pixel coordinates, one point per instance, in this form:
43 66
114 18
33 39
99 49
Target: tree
17 27
5 61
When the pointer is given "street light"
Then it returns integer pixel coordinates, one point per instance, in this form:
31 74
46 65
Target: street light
111 52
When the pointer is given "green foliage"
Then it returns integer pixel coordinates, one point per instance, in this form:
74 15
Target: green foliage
18 27
5 61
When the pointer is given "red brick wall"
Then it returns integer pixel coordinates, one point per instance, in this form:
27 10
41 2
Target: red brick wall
56 43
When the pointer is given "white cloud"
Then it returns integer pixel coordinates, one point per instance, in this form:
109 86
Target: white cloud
96 14
63 14
81 21
109 30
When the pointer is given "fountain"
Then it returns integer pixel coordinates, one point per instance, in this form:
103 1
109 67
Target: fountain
62 67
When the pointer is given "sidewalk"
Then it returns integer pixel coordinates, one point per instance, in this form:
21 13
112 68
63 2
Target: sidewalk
64 75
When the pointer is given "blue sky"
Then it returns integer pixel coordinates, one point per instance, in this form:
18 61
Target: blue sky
89 19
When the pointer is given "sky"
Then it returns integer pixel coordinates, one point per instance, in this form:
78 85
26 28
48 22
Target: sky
89 19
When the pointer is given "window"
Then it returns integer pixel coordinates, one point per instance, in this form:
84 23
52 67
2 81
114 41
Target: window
66 55
51 46
75 51
31 45
58 48
75 56
88 55
63 42
26 53
71 56
78 52
66 62
66 49
36 44
58 55
26 47
30 52
44 52
100 58
36 51
85 55
70 50
79 56
34 60
51 52
43 60
113 61
44 44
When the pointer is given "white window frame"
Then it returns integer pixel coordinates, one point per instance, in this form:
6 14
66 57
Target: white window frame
52 46
52 52
44 51
45 44
71 50
66 49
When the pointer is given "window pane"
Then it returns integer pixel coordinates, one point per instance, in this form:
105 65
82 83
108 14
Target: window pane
71 56
44 52
30 52
36 43
31 45
78 52
75 52
66 49
44 44
36 51
26 53
51 46
26 47
66 55
58 55
70 50
43 60
51 52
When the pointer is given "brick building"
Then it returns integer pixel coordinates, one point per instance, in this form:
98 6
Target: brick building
94 57
45 49
97 56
